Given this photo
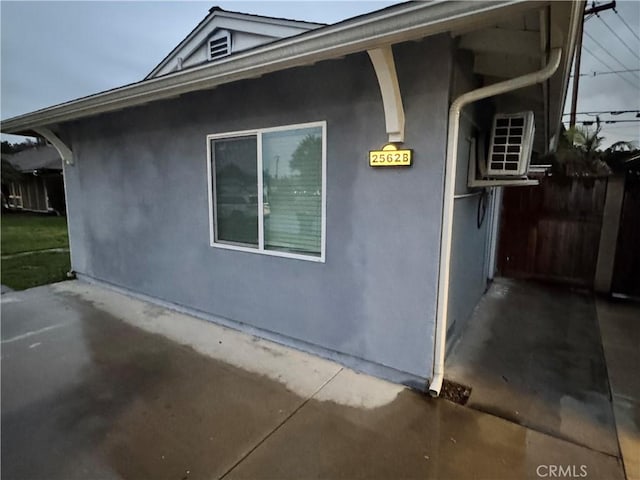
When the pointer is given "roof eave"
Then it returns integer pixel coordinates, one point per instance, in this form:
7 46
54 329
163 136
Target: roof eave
577 17
406 22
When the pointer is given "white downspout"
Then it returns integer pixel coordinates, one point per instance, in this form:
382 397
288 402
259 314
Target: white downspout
449 190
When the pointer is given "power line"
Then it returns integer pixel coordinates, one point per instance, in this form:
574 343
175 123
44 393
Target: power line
599 8
619 38
609 67
578 53
609 53
604 129
608 122
627 25
601 112
595 74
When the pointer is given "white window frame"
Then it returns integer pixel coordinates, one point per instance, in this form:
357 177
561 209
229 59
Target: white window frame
260 248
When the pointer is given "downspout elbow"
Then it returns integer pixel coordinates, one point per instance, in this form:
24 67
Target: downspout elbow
436 384
449 190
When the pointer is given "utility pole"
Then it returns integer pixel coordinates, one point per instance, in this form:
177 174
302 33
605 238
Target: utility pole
576 70
576 76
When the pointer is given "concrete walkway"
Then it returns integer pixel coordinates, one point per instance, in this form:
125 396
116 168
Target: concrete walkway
533 354
98 385
620 327
33 252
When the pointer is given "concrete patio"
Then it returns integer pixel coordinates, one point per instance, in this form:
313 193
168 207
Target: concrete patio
98 385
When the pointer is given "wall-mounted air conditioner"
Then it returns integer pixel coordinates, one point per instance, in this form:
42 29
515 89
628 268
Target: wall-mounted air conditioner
511 144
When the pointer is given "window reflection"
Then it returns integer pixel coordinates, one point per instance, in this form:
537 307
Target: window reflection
292 175
236 190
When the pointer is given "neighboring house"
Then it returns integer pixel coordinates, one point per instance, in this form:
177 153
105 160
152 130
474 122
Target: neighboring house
240 188
40 188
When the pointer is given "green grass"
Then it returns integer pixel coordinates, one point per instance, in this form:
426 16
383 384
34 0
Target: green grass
26 233
32 233
28 271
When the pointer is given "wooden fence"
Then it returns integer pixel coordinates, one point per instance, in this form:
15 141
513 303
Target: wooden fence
626 276
552 231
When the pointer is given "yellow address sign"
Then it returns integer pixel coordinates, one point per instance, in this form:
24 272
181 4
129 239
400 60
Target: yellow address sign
390 156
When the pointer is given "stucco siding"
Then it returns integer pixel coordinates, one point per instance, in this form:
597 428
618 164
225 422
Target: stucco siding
138 208
468 278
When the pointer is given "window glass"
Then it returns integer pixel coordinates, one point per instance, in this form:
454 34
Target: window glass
267 191
292 187
236 190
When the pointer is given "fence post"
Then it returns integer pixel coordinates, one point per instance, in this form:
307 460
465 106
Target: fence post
609 233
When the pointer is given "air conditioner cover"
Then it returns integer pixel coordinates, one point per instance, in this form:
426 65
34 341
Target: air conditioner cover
511 144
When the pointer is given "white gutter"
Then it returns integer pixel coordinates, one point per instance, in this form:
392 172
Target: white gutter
449 191
404 22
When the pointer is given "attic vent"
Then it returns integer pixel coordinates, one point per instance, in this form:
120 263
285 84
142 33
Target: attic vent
220 45
511 144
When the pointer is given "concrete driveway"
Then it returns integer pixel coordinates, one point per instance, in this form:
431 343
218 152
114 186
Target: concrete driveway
98 385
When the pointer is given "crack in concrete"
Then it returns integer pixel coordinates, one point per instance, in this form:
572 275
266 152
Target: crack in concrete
280 425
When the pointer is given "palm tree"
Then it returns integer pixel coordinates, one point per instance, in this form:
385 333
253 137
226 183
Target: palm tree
579 153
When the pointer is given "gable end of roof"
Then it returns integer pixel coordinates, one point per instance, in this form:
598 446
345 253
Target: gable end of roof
271 28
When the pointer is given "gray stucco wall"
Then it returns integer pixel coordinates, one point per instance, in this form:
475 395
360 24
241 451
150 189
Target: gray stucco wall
468 279
138 208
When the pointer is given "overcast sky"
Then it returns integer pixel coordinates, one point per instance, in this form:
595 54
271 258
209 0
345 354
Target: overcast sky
604 52
52 52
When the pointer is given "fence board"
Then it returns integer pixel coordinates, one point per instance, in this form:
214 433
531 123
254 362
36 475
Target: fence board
626 275
552 231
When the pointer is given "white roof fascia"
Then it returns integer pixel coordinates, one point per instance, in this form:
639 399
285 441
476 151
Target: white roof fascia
577 17
393 25
269 20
